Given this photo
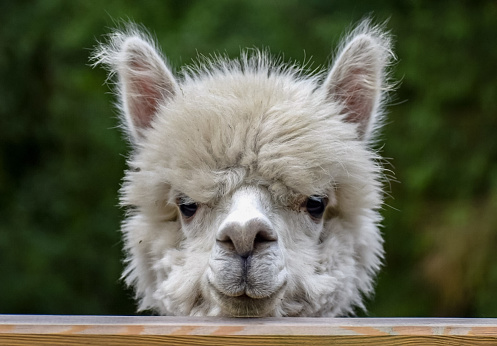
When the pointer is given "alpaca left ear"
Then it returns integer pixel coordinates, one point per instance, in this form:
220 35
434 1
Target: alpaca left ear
144 81
357 80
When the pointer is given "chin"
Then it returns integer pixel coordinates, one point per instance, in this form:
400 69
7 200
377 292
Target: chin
245 306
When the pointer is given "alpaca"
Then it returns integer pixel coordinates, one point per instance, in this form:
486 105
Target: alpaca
252 188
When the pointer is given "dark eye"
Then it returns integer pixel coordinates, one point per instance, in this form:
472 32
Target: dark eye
187 206
188 210
315 206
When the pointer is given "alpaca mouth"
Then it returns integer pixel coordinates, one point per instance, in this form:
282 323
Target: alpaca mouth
247 304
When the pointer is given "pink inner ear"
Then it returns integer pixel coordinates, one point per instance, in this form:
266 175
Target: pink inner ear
143 100
357 95
146 83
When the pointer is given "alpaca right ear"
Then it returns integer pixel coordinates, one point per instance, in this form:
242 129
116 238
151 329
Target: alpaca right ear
144 82
358 78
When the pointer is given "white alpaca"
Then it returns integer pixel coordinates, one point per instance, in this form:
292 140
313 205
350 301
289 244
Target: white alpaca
251 189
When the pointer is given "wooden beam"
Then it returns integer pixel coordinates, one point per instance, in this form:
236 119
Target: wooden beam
163 330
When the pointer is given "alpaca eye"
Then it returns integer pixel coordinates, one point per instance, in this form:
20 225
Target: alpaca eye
186 206
188 210
315 206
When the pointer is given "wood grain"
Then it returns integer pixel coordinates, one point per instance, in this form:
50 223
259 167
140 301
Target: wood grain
163 330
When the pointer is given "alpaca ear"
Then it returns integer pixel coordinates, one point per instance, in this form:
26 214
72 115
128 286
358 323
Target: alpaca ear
144 80
357 80
145 83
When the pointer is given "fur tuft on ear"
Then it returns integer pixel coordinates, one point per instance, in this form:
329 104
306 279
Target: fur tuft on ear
358 78
144 80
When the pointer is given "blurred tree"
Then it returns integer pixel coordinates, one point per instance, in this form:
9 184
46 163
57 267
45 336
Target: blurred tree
60 166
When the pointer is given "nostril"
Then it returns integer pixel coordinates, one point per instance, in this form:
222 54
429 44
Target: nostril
259 239
263 236
225 238
226 243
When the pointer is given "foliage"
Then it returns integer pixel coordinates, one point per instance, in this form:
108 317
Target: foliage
61 158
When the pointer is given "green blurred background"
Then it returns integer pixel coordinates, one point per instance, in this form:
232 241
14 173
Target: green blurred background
62 158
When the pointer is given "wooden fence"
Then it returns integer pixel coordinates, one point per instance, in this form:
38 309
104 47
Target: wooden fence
162 330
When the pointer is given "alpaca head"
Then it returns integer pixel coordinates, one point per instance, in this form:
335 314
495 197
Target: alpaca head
251 188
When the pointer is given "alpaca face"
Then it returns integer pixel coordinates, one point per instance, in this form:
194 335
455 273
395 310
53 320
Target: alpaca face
251 189
248 272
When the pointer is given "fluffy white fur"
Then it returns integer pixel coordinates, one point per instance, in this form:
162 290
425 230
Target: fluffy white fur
249 141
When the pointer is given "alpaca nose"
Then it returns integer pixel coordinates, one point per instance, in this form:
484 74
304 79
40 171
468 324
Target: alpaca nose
246 237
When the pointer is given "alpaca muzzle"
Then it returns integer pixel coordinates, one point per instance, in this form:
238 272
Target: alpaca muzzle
246 265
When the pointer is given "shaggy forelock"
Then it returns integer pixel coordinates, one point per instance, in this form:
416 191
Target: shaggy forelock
250 120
